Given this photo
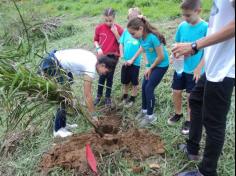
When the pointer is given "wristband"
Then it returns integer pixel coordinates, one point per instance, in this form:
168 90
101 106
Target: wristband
148 65
98 48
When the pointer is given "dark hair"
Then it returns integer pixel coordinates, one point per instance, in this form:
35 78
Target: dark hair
191 4
109 12
138 22
109 63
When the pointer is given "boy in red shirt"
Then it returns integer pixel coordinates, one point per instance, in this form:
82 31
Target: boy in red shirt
106 41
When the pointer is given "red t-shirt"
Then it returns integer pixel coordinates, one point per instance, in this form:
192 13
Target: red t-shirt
107 40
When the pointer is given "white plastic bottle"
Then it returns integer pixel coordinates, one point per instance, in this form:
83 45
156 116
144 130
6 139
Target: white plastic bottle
178 64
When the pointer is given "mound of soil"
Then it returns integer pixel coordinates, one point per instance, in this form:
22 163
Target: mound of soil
136 144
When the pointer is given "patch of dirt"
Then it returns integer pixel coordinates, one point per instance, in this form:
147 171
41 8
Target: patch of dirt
136 144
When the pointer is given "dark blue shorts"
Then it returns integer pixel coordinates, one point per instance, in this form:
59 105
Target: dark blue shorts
183 82
130 74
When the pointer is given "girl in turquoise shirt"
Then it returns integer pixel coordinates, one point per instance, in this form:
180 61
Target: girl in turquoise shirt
129 46
153 45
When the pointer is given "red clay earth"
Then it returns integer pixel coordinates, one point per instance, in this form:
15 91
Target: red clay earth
136 144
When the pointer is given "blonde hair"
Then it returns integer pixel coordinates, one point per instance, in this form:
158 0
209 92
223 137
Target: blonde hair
134 12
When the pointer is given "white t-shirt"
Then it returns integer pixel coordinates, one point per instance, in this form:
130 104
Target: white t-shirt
220 58
78 61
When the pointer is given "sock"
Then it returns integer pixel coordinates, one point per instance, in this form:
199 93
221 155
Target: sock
144 111
179 115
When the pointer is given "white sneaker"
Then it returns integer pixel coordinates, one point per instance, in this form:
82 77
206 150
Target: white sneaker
129 104
148 120
141 115
70 127
62 133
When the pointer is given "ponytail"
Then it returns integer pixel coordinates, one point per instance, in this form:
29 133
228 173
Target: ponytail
141 20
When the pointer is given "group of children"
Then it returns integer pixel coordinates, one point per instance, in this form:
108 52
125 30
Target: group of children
141 40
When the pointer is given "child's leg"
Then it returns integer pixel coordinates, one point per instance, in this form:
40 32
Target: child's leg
125 91
109 84
134 91
144 98
101 84
188 108
155 78
134 75
110 77
178 86
60 124
125 81
177 99
60 119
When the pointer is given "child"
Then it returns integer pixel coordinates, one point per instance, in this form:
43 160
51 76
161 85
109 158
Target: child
153 44
192 29
129 46
80 63
106 40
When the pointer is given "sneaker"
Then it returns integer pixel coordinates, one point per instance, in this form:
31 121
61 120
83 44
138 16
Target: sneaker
141 115
190 173
173 120
95 118
186 128
97 101
108 102
183 148
70 127
62 133
129 104
123 102
148 120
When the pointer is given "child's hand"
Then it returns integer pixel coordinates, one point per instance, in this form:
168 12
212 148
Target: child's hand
130 62
114 29
100 53
171 59
197 74
148 73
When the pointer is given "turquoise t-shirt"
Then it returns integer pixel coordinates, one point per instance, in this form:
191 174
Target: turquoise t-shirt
131 47
189 33
149 44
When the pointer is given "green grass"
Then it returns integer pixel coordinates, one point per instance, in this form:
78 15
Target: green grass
83 15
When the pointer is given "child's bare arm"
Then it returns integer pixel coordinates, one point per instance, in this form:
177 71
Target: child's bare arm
135 56
98 49
115 32
96 44
160 58
198 70
145 58
121 50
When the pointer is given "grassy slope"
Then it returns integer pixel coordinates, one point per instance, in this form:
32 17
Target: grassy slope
29 152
